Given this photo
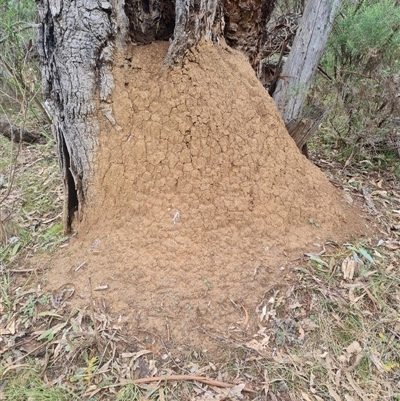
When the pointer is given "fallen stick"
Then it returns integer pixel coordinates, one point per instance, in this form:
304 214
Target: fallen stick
18 134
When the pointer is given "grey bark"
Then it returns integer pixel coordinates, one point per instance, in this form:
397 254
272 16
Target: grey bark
190 26
302 129
299 69
77 40
75 44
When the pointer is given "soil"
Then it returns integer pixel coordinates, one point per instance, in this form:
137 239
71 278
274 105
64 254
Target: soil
201 202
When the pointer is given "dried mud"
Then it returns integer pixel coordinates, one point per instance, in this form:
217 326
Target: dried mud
201 201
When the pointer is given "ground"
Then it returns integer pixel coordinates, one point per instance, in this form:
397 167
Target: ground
226 255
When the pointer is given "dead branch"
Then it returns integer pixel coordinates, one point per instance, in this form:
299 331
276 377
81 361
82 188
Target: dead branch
18 134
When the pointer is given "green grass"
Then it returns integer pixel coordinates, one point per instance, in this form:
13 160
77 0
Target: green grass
28 384
6 302
32 211
129 392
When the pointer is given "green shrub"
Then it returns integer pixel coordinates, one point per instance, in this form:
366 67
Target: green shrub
362 81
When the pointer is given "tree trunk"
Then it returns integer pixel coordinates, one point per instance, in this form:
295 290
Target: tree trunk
77 40
297 74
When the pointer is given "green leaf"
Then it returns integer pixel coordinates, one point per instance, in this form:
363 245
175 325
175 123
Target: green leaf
207 284
318 260
49 334
49 313
16 248
362 252
356 258
366 255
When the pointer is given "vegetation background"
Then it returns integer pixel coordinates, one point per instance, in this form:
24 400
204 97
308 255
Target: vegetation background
348 297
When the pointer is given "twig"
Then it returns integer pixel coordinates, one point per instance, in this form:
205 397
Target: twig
52 219
81 265
11 174
18 344
219 339
25 270
23 87
14 367
23 357
246 316
358 74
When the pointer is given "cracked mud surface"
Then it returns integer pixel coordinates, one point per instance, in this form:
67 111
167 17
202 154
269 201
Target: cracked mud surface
200 200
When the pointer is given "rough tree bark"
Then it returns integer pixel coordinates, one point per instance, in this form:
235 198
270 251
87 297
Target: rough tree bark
77 40
299 69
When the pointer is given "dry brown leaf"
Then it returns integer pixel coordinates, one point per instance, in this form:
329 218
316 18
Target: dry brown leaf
308 325
339 321
353 298
352 356
161 394
10 329
392 245
338 376
301 333
312 383
354 351
266 382
279 357
135 355
295 305
273 397
356 387
333 393
263 313
377 361
220 394
152 367
257 346
382 193
373 299
236 391
331 366
207 396
305 396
